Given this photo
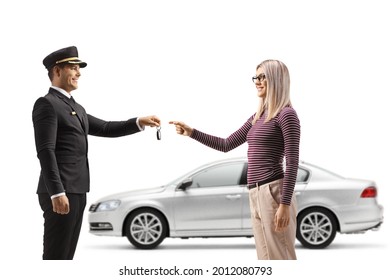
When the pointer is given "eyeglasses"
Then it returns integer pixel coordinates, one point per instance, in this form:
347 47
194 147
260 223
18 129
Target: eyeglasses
260 78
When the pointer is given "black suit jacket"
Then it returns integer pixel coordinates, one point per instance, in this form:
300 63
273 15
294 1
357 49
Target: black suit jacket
61 128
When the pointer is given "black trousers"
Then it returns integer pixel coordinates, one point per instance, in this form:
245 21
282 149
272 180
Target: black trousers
61 232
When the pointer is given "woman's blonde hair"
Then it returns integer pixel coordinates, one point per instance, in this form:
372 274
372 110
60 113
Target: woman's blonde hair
277 78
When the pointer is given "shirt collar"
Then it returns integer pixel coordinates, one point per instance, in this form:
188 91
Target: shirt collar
62 91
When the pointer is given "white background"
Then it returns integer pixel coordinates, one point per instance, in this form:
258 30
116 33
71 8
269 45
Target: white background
193 61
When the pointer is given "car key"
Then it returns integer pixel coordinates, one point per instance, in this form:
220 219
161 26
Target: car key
158 132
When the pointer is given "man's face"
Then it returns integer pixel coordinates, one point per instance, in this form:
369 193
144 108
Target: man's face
67 77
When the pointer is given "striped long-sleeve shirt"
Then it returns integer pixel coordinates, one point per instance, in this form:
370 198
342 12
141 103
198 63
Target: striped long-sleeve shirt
268 144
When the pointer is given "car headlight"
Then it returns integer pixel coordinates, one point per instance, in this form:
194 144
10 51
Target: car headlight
109 205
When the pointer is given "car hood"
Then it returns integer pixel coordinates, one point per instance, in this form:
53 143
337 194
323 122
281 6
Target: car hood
132 194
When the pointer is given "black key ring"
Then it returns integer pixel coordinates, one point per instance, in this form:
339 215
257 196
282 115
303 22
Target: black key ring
158 132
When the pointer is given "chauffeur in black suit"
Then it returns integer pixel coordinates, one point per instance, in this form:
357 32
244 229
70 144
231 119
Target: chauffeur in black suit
61 126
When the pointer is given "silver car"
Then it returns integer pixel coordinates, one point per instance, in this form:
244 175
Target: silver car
212 201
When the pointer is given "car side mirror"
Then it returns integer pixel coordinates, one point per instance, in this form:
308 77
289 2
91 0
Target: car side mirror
185 184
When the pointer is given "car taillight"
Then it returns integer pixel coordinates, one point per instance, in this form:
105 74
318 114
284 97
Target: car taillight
369 192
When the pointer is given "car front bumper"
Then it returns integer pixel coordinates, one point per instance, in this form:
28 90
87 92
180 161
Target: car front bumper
109 223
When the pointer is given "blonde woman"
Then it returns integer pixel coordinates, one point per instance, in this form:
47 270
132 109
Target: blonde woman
273 136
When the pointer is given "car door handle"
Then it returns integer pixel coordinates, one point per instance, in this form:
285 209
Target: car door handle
233 196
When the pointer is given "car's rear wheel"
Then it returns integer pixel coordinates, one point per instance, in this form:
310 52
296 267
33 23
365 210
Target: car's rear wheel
146 228
316 228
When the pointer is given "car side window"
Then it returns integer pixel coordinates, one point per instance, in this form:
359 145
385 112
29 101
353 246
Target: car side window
222 175
302 175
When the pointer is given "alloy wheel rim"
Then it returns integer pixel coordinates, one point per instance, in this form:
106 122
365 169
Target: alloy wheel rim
316 228
146 228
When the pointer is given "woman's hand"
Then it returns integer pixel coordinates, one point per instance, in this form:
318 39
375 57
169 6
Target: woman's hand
182 128
282 217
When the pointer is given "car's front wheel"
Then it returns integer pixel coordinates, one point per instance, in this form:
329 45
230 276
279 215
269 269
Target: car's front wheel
316 228
146 228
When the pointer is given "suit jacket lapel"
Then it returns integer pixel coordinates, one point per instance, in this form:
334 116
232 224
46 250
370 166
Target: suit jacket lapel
75 108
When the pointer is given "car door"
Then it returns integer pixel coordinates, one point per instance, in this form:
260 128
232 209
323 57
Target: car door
213 202
300 185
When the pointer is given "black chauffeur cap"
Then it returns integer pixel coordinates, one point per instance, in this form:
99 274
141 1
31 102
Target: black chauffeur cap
65 55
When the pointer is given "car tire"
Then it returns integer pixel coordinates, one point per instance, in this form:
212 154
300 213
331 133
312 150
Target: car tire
146 228
316 228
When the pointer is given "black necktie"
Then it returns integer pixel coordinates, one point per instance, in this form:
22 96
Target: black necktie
72 100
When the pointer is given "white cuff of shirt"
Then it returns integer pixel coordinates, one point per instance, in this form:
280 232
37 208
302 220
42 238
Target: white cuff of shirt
141 128
57 195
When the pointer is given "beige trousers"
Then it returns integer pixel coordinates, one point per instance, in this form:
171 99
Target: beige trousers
271 245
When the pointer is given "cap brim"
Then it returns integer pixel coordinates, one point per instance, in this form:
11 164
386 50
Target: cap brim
79 62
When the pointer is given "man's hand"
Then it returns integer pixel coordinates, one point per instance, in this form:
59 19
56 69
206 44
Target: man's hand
182 128
61 205
151 121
